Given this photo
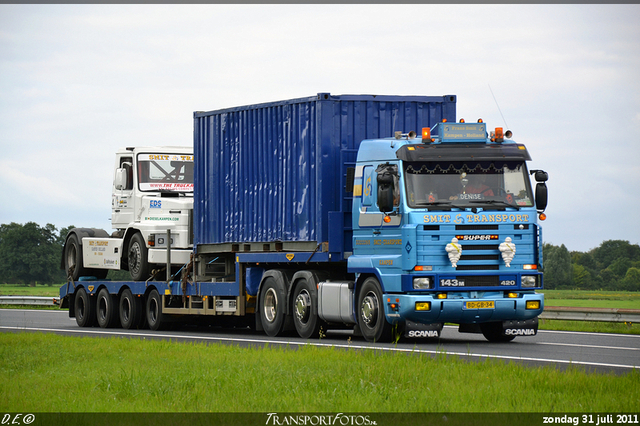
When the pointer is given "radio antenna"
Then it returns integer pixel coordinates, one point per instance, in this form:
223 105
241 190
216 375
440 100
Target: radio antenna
494 99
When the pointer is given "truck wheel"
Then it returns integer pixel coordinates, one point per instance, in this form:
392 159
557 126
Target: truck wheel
73 257
371 318
492 331
130 308
272 300
137 257
85 307
155 317
106 309
305 309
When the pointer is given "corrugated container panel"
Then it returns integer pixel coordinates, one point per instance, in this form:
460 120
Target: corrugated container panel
274 171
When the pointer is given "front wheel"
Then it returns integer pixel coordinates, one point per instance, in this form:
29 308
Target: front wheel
371 318
492 331
137 257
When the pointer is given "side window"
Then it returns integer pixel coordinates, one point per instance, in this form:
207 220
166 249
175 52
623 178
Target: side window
127 164
368 182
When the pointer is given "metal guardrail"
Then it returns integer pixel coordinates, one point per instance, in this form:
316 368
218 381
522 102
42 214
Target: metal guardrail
550 312
29 300
590 314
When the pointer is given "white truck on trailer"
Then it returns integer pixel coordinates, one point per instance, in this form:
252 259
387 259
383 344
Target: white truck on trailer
152 197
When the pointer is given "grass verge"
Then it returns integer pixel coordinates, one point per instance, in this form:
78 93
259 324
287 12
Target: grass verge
74 374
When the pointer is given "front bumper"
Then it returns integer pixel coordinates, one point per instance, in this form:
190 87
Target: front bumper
455 309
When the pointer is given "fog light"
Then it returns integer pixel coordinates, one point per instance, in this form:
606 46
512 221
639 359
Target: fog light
533 304
441 296
421 283
528 281
512 295
423 306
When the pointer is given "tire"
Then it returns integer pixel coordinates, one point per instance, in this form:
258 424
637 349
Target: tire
272 303
492 331
155 318
130 310
84 308
106 309
73 258
371 318
305 309
137 256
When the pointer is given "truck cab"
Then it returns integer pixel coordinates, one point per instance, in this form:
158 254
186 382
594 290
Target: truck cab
152 197
445 230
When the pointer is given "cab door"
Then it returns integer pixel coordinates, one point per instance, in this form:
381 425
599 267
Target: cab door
122 209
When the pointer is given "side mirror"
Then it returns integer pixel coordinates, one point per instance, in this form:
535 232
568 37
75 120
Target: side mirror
541 196
541 189
385 191
120 180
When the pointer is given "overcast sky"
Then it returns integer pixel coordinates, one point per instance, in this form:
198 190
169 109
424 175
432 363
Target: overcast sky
79 81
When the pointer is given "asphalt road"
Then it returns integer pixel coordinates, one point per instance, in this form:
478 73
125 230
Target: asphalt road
594 352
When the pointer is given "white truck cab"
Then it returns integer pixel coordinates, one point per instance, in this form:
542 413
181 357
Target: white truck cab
152 193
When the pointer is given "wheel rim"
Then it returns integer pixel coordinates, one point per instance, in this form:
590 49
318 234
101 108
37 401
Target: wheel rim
303 305
126 309
80 309
270 305
71 257
369 309
153 310
102 308
135 254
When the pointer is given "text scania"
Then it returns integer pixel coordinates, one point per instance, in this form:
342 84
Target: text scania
318 420
423 333
520 332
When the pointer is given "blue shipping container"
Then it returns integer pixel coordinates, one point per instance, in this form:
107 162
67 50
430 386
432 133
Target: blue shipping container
276 172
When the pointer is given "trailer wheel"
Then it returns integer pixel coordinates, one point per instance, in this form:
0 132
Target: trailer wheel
85 307
137 256
371 318
106 309
272 300
155 318
492 331
305 309
130 309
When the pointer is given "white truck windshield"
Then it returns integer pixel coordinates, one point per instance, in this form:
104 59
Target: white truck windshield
465 184
165 172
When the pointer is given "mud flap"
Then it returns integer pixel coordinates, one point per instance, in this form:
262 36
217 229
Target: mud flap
520 328
415 330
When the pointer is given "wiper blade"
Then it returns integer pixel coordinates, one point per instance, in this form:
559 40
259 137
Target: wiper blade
434 203
495 203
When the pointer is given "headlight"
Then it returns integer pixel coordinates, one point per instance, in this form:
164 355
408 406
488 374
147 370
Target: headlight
421 283
528 281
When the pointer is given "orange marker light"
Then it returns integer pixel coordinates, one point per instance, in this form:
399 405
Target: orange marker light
542 216
387 219
426 133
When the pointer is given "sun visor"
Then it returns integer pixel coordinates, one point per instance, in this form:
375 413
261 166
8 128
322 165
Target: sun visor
463 152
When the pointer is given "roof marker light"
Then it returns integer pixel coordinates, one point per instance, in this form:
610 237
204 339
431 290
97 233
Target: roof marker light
426 135
462 120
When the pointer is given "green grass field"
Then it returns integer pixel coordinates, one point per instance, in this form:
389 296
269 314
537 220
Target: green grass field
45 372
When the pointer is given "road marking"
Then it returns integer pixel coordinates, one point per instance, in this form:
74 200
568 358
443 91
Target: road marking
587 346
328 345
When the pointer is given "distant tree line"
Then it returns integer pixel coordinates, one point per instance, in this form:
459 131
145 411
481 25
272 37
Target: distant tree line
615 265
32 254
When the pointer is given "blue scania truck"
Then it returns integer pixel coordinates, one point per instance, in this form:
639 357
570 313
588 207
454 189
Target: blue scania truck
383 214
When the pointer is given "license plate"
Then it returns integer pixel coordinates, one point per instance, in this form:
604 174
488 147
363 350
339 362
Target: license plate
487 304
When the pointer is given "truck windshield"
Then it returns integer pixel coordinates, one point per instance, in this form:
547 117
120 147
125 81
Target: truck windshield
466 184
165 172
